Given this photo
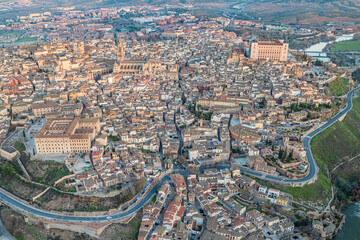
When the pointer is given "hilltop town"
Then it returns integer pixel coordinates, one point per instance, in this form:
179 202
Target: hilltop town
95 116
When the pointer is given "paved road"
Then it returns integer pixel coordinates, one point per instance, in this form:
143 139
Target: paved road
5 235
28 209
306 143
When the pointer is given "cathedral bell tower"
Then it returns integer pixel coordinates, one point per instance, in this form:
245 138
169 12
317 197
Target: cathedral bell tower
120 51
119 56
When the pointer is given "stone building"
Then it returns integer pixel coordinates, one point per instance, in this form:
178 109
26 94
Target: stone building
143 66
269 49
67 135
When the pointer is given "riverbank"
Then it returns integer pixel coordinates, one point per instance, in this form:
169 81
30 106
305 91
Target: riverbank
322 46
350 229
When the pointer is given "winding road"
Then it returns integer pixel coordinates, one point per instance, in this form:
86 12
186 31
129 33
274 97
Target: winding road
306 144
28 209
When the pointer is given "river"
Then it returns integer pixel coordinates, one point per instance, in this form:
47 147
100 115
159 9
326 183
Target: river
351 229
321 45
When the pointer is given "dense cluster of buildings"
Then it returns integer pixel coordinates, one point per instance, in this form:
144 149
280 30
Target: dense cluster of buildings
189 94
192 96
226 201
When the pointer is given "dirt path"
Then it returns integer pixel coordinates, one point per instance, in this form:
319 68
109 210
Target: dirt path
340 164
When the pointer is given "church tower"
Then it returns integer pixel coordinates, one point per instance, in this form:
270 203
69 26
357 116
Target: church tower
79 47
82 47
120 51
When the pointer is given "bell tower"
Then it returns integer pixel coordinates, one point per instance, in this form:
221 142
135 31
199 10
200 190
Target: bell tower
120 51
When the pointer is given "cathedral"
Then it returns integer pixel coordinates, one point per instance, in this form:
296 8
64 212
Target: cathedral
149 67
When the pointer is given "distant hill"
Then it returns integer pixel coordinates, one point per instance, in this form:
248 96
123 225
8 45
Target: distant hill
286 10
305 10
283 10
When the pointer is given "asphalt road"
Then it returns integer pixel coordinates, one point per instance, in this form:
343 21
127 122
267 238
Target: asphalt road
30 210
5 235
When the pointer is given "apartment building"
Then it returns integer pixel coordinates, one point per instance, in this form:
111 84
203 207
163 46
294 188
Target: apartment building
173 213
44 108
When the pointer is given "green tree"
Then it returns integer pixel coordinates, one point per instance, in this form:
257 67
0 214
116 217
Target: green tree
289 157
113 138
356 75
280 153
284 155
318 62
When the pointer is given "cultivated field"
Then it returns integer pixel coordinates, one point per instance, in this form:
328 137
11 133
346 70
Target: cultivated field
346 46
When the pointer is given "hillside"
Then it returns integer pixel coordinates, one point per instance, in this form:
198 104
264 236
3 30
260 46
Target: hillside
333 148
337 151
305 10
339 143
339 86
272 10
